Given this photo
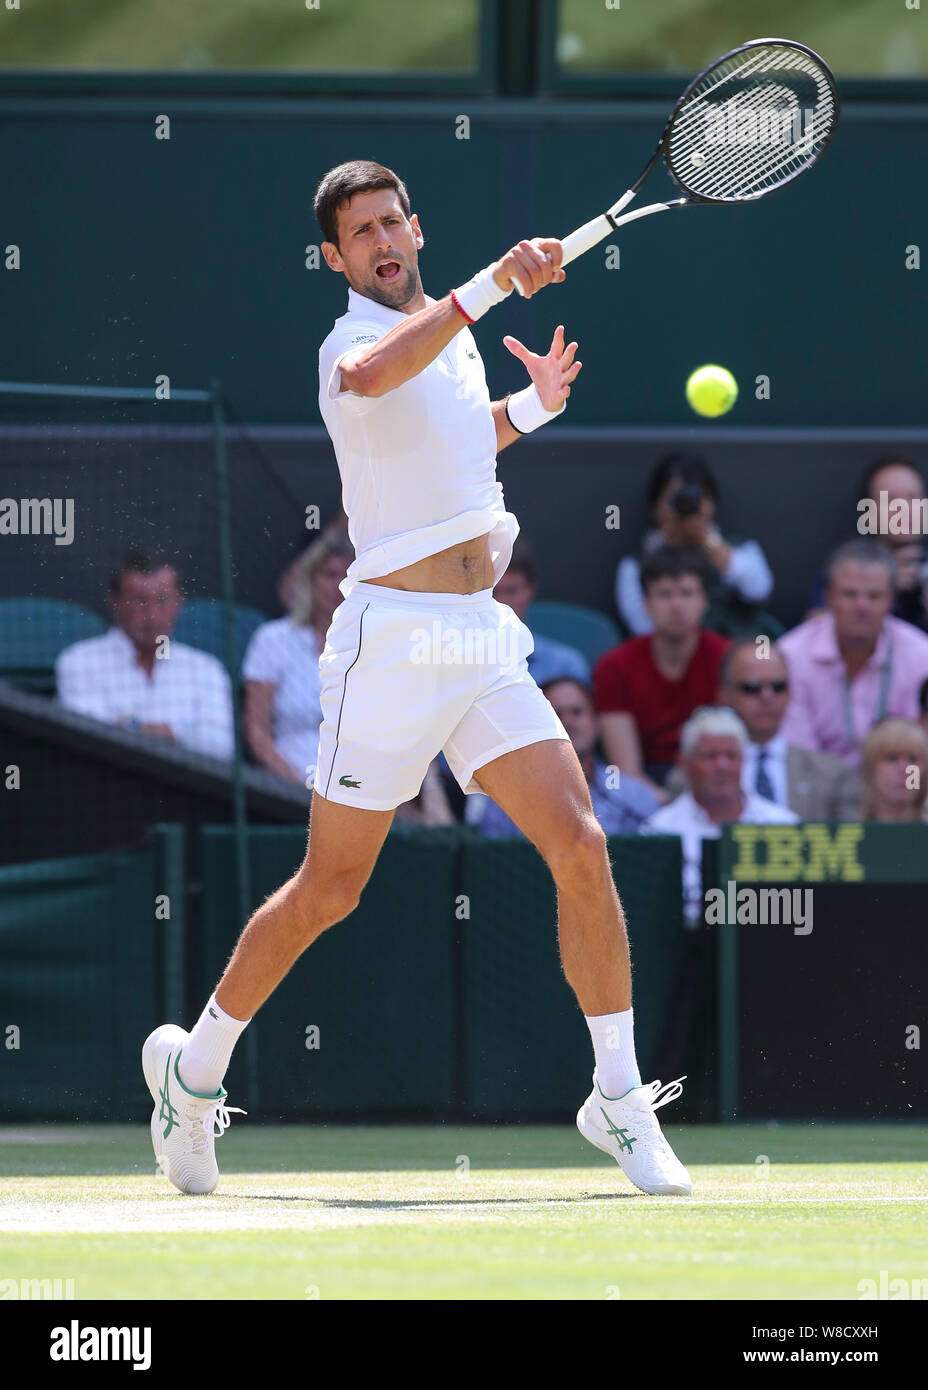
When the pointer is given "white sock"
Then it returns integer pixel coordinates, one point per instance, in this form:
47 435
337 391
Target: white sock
614 1048
205 1058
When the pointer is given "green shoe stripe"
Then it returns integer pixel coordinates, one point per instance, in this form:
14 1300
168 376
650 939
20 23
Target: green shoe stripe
198 1095
621 1097
622 1136
168 1111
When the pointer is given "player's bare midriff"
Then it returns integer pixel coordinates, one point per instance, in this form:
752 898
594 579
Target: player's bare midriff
464 568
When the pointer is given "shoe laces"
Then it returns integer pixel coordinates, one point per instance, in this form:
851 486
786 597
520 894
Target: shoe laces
651 1137
659 1095
210 1123
217 1119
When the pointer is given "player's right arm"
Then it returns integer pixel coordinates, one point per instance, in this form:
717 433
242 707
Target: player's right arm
404 352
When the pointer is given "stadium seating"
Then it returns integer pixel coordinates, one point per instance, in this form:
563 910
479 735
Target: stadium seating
201 625
743 622
590 632
33 631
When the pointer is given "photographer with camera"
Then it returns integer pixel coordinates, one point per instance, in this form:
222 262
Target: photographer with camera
682 497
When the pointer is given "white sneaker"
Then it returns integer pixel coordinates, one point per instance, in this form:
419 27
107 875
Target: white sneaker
184 1126
626 1128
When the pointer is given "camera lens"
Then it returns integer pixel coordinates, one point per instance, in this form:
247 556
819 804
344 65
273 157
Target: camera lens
686 499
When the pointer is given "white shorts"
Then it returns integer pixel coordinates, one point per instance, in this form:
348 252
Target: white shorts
407 675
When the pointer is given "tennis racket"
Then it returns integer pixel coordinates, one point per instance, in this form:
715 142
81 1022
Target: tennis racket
749 124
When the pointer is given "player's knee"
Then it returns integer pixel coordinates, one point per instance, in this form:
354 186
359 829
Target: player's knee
323 904
579 851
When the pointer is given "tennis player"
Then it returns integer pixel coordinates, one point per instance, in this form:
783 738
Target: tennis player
420 658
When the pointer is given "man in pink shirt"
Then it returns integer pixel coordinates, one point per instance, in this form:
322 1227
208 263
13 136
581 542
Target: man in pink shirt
854 664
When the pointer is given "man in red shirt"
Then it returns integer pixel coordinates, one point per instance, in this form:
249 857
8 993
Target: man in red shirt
646 689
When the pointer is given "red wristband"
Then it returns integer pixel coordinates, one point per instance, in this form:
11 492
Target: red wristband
454 301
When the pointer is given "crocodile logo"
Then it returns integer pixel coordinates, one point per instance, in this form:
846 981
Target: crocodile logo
347 781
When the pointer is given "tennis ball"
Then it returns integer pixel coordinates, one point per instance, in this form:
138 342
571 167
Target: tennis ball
711 390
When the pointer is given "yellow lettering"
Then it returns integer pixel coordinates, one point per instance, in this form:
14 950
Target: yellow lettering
784 854
746 837
833 857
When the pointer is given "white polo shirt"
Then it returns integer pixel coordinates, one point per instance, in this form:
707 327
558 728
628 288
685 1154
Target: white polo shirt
685 817
418 465
187 689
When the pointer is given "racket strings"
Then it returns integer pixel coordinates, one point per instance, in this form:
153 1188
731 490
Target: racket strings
731 147
749 176
767 62
751 161
748 163
749 170
762 61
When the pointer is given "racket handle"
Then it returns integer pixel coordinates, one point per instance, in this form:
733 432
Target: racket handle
592 233
585 238
574 245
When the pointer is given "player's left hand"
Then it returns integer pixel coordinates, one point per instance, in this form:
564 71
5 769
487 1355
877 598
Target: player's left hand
552 374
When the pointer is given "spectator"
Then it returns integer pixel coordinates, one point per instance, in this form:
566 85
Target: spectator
854 664
336 526
814 785
646 688
890 481
137 676
518 589
713 743
281 666
431 806
894 767
682 497
620 805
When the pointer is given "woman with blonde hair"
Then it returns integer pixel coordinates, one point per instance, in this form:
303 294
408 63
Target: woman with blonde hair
894 767
281 666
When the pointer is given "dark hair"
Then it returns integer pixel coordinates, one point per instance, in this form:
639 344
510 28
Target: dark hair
523 561
141 562
342 183
673 562
569 680
865 488
689 469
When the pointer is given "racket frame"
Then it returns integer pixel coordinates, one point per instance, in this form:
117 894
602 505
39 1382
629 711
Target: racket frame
596 230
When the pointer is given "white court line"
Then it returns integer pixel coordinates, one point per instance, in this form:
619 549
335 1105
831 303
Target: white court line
780 1201
130 1219
32 1136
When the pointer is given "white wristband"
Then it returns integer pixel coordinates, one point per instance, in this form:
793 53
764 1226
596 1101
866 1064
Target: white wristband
526 411
480 294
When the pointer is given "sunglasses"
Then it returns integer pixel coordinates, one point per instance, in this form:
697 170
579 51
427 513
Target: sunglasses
755 687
